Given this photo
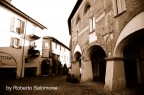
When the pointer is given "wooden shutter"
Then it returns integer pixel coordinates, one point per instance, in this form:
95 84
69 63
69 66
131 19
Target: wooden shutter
12 26
12 42
22 27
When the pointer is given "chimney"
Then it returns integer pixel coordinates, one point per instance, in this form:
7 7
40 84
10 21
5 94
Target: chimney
9 1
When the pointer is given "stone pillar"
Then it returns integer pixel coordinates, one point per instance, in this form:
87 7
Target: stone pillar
75 69
38 70
87 74
115 74
18 72
22 72
50 68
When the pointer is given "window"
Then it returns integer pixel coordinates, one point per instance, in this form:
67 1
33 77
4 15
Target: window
15 42
53 45
87 7
92 23
17 25
76 36
46 45
119 6
78 19
34 29
32 44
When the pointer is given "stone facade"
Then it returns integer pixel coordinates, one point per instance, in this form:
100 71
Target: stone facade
101 31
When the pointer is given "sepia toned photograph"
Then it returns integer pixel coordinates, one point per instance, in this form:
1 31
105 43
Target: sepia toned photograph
71 47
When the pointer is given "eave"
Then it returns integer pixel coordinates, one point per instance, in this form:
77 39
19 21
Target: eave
20 13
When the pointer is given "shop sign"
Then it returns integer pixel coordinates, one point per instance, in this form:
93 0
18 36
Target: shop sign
7 60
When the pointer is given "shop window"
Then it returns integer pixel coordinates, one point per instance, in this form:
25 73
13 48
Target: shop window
17 25
92 23
119 7
15 42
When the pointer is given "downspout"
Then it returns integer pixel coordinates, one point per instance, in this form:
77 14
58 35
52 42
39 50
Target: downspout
23 61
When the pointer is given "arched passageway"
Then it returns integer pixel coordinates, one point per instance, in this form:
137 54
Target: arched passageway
76 66
45 66
133 59
78 58
98 62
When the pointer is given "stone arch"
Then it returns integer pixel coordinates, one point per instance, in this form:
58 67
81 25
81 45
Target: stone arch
132 26
90 47
45 66
77 49
97 62
76 63
128 52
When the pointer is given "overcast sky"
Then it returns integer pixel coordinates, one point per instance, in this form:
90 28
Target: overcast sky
51 13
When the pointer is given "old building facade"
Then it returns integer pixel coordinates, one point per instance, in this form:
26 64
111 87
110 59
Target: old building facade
106 42
20 42
56 53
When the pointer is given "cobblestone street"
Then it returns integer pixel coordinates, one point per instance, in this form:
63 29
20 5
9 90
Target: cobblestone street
55 85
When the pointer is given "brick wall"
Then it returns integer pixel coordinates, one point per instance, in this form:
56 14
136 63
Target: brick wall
106 23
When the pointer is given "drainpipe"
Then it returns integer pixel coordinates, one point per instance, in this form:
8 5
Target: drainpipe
23 61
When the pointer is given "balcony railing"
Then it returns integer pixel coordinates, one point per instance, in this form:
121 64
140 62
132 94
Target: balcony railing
33 53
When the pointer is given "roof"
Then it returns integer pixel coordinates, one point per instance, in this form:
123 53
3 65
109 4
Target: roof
78 3
55 40
20 13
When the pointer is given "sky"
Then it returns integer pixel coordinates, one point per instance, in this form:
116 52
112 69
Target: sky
51 13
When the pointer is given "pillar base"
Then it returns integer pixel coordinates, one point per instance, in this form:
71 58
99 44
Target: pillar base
86 71
115 74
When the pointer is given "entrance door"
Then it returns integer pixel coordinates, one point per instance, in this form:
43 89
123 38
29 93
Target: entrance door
45 67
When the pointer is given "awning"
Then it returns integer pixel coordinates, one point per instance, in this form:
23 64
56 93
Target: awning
8 66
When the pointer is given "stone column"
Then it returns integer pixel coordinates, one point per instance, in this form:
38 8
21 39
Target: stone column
86 71
75 69
115 74
18 73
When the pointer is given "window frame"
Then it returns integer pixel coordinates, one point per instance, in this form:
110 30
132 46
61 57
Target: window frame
92 23
119 7
17 25
78 19
87 7
15 43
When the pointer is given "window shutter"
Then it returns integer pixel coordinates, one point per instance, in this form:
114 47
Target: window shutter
12 42
93 22
90 24
12 26
20 43
22 27
119 6
115 7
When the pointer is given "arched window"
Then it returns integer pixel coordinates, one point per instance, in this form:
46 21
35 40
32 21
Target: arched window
78 19
87 7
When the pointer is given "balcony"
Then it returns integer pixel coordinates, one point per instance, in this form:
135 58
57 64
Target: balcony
33 53
34 36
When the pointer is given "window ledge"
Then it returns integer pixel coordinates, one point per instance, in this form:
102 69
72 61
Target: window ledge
119 14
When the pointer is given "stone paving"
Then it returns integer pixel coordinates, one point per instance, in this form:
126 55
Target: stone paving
55 85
